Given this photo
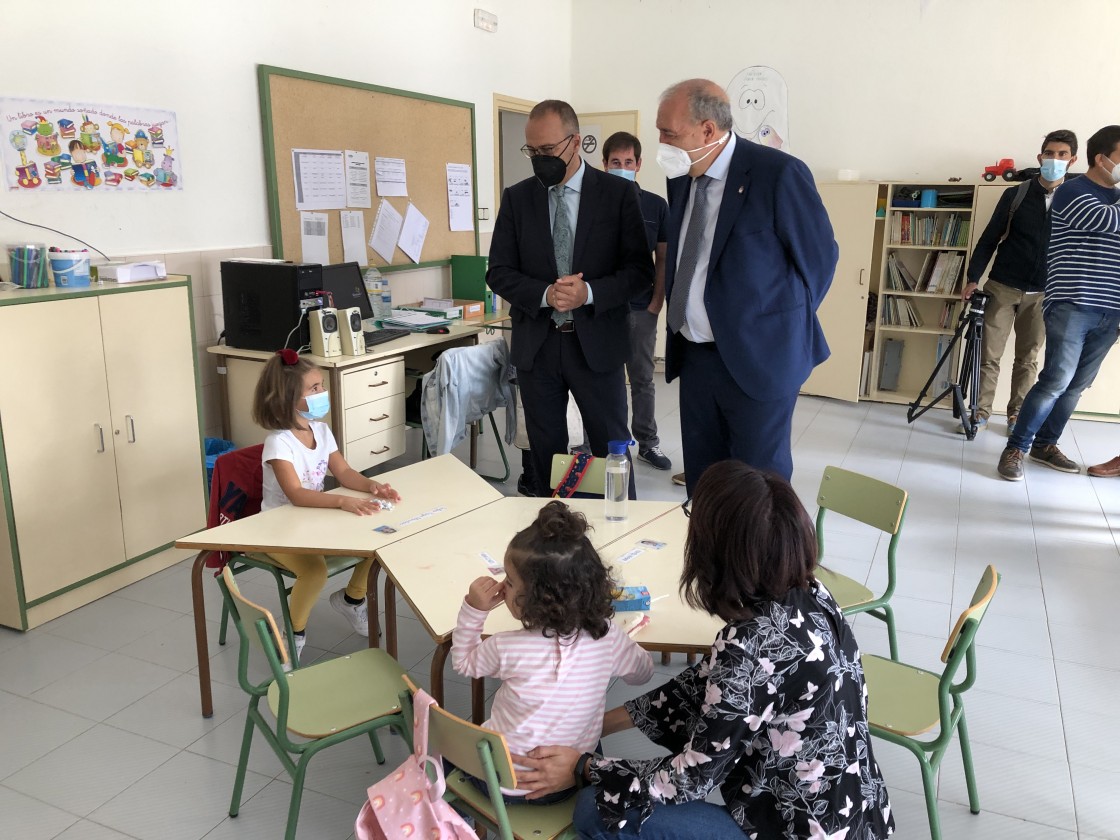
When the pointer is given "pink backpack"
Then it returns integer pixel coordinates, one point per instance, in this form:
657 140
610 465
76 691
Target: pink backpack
405 804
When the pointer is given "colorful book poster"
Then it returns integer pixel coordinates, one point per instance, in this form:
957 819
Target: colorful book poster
81 146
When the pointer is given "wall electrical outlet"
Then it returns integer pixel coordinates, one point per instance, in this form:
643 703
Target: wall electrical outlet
486 21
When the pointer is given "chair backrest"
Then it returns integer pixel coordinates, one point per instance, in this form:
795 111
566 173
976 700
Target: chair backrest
964 631
461 743
862 498
594 479
246 615
235 492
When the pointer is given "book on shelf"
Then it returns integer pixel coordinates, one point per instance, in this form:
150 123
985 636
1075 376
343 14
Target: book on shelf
948 314
865 375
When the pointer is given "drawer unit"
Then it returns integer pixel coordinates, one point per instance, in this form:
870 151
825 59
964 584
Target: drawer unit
378 416
372 450
373 383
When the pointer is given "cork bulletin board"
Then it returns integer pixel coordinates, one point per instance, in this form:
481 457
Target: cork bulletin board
306 111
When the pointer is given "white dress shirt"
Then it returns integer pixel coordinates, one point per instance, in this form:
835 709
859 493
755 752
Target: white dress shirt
696 326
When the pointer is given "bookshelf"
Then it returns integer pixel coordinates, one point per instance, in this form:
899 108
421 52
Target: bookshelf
919 275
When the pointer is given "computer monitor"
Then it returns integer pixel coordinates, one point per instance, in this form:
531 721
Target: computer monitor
344 282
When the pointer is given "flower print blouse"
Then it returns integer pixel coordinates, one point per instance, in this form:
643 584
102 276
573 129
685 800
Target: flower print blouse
776 718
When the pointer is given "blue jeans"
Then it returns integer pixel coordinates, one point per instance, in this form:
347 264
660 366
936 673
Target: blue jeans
667 822
1077 340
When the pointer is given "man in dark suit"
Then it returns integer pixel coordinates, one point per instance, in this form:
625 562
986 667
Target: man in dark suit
750 258
568 253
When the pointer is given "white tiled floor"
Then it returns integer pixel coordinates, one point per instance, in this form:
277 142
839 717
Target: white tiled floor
101 736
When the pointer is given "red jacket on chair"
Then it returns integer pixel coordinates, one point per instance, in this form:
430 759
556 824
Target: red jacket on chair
235 492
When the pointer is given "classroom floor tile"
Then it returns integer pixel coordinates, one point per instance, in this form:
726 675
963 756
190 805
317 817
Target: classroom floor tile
103 739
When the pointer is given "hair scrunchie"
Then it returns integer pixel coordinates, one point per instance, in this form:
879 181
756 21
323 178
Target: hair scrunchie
288 357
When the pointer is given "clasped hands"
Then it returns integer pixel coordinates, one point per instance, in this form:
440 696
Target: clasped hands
567 293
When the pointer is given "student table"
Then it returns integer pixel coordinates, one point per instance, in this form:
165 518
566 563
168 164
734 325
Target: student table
432 492
456 552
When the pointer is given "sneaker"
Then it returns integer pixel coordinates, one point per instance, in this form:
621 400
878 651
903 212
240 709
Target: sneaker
1011 418
1109 469
679 479
1051 456
980 425
301 640
655 457
1011 464
356 614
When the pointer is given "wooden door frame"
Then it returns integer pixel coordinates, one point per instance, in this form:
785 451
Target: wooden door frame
502 102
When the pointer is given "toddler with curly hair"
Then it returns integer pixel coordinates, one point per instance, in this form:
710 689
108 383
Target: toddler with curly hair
554 672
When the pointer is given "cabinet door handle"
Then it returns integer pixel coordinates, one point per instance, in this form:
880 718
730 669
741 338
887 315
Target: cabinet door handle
378 419
100 437
131 428
861 276
380 451
377 384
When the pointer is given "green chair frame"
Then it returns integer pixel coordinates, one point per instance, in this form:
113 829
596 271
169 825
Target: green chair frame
329 702
239 563
485 755
905 702
873 503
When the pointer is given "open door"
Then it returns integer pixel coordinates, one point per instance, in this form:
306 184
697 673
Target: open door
597 126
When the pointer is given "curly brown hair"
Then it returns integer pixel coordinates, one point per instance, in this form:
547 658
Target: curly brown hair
565 586
749 540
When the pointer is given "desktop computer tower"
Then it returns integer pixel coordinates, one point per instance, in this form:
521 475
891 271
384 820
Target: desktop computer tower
263 302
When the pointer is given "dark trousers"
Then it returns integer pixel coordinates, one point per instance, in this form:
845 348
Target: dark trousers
719 421
560 368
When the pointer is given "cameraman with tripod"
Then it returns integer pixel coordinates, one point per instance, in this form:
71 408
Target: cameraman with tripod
1018 234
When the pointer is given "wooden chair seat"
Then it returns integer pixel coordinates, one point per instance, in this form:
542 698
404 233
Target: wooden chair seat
901 698
340 693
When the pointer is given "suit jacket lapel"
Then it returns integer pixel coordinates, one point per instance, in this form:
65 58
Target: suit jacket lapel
734 194
585 219
541 222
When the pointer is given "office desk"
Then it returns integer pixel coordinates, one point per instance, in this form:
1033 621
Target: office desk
452 554
367 392
432 492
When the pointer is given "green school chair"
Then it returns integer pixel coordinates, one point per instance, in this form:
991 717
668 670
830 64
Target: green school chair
484 754
328 702
905 702
873 503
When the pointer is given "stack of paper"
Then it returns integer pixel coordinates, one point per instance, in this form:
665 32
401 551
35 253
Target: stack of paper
132 272
415 321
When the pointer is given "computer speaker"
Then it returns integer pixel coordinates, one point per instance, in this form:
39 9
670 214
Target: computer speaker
350 328
325 340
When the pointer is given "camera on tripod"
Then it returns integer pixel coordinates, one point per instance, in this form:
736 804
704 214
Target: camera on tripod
976 305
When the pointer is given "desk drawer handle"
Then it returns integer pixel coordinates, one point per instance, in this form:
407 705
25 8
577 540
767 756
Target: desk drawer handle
377 384
131 428
100 437
379 419
380 451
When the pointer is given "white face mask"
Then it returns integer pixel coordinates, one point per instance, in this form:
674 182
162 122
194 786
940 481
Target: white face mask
1113 173
677 161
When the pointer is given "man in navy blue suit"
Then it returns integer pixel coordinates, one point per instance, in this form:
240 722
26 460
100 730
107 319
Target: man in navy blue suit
750 257
568 253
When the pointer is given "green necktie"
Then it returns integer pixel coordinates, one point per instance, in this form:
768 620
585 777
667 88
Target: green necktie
562 243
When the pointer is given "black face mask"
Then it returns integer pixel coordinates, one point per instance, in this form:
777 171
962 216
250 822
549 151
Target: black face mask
549 169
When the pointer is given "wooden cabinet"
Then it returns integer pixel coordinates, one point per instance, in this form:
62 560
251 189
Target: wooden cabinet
101 441
851 209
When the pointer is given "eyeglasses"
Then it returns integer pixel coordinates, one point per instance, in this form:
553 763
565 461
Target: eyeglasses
546 151
685 505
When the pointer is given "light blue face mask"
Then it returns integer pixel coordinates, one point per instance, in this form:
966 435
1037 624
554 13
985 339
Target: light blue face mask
318 406
628 174
1052 169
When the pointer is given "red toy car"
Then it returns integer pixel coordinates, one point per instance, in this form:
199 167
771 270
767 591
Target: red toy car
1006 168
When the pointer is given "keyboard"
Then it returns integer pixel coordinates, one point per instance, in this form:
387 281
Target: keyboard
375 337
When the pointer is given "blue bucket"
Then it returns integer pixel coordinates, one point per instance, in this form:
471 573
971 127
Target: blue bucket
70 268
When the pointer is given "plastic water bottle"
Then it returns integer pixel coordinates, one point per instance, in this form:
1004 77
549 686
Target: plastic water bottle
386 299
618 480
375 285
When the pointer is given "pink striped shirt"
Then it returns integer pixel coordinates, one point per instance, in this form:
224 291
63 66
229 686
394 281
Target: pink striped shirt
553 691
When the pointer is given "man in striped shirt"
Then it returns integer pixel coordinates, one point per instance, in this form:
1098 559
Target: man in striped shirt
1081 306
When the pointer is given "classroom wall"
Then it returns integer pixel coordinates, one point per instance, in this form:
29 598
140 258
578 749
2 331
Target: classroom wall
897 89
200 58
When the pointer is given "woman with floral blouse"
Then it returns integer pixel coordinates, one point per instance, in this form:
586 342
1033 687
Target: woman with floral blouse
775 717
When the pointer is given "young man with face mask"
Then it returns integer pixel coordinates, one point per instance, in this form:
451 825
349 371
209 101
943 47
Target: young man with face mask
1019 238
1081 306
568 254
622 156
750 258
